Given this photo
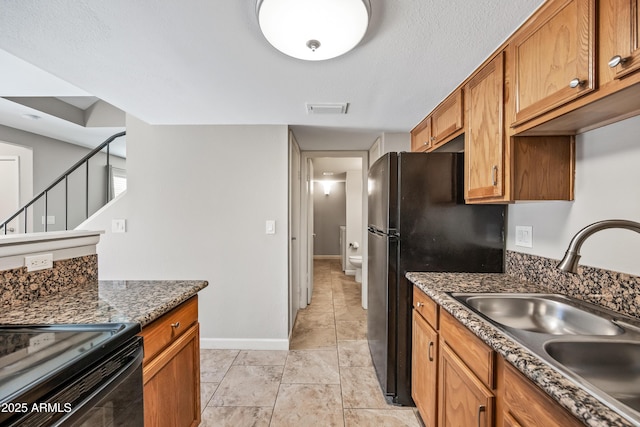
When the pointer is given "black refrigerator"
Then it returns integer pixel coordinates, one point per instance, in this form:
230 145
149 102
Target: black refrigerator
418 221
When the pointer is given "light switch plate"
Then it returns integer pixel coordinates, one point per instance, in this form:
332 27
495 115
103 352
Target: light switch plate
524 236
270 227
118 225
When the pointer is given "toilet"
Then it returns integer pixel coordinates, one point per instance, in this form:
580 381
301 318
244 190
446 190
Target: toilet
356 261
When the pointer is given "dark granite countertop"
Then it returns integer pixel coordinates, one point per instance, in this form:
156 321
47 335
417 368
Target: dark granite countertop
107 301
575 399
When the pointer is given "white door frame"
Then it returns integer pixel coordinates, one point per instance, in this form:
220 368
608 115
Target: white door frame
10 193
306 231
295 185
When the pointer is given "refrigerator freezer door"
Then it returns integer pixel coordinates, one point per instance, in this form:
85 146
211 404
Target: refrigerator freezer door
381 314
382 184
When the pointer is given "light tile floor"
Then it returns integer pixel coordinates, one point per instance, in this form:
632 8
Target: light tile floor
325 379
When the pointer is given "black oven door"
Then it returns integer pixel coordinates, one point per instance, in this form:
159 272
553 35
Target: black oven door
105 393
118 400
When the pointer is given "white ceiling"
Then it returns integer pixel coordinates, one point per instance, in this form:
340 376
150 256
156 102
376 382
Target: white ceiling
206 62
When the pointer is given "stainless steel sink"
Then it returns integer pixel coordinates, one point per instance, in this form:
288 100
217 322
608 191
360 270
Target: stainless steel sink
547 314
612 367
596 348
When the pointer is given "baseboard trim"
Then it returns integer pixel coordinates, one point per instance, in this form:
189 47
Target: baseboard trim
350 272
327 257
243 344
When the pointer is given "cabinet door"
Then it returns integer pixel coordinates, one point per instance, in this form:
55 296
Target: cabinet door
421 136
625 18
447 118
424 369
553 58
172 384
484 138
464 400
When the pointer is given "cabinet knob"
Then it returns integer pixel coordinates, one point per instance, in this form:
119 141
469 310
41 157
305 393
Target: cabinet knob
419 304
576 82
616 60
175 325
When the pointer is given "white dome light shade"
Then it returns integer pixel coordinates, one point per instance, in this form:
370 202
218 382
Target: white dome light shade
313 29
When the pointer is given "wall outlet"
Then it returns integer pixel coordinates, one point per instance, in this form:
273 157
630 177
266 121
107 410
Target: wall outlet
38 262
51 219
524 236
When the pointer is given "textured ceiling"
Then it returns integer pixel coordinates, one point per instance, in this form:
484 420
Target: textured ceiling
206 61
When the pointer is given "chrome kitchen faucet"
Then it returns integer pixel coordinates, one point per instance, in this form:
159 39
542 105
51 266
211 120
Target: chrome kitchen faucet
570 261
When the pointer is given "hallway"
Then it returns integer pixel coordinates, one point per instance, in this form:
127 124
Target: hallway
325 379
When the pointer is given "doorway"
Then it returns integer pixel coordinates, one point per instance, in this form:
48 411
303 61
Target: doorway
9 192
314 164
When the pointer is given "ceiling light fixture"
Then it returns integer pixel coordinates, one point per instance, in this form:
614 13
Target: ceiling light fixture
313 30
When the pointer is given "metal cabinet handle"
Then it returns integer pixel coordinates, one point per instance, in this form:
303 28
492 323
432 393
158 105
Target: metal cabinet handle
419 304
494 175
616 60
429 353
175 325
481 409
576 82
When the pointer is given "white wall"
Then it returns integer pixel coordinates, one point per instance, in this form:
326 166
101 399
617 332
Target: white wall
50 159
196 205
389 142
607 186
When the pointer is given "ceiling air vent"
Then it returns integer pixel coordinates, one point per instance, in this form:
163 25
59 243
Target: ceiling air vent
339 108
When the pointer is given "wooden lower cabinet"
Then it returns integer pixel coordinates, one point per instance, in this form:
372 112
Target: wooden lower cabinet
463 400
473 386
171 375
424 374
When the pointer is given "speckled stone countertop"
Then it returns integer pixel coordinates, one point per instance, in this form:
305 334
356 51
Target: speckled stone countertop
583 405
105 302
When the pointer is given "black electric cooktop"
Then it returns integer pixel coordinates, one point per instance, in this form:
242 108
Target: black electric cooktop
35 359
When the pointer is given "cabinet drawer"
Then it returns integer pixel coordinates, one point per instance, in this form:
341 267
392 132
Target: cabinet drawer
426 307
529 406
161 332
478 356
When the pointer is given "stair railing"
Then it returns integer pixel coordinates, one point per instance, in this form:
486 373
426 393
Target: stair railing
5 227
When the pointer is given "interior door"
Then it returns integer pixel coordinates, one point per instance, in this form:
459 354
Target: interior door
9 191
294 229
310 234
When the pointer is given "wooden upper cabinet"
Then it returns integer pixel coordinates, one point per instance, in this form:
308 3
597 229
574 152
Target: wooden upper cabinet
447 119
484 137
620 38
421 136
442 125
553 58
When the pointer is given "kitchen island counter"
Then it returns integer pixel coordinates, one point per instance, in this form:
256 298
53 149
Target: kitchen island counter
567 393
107 301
